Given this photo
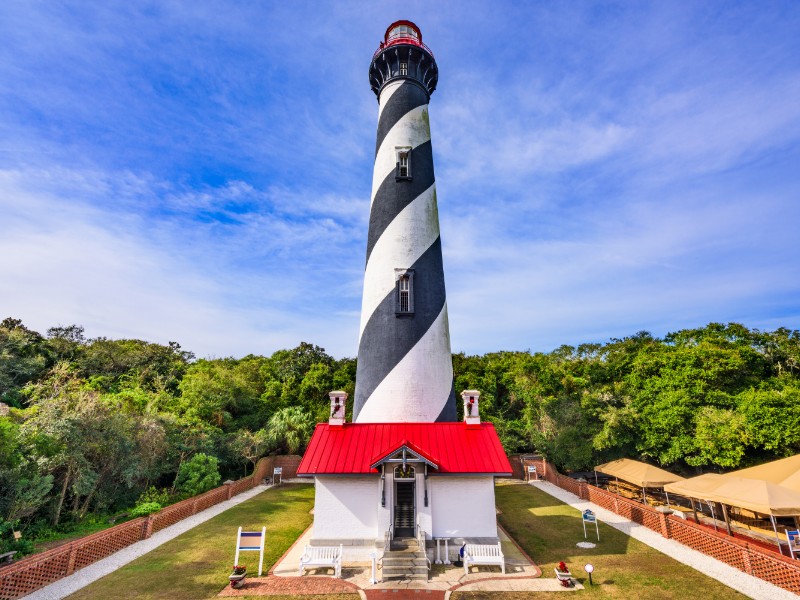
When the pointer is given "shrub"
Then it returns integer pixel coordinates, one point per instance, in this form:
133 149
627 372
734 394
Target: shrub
197 475
153 494
8 543
144 509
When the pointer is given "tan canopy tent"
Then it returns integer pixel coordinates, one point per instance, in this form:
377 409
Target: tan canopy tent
758 495
785 472
696 487
638 473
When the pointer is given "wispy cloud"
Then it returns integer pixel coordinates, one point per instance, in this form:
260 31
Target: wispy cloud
202 172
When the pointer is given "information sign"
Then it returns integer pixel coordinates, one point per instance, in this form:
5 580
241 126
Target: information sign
590 517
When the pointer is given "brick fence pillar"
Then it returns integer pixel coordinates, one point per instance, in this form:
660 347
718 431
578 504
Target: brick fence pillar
73 554
147 530
662 519
194 507
748 567
230 489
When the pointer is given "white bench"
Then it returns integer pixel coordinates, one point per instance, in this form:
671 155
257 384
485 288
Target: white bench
483 554
322 556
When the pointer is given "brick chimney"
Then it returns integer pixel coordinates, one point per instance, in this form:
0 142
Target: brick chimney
338 403
471 413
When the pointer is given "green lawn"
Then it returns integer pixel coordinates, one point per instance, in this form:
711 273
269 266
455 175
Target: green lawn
196 565
624 568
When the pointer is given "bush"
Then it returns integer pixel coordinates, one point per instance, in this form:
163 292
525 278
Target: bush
197 475
8 543
153 494
144 509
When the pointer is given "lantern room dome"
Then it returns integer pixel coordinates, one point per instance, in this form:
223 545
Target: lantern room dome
403 29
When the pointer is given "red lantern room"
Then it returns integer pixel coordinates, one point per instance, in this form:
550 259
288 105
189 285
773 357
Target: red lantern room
402 32
402 54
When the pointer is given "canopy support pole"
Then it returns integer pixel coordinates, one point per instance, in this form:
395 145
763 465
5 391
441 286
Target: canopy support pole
595 480
713 516
644 495
694 510
775 529
727 519
666 493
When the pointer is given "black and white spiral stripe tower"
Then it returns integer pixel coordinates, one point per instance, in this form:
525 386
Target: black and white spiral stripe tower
405 369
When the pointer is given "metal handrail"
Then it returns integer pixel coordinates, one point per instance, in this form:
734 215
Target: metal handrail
421 544
387 538
407 39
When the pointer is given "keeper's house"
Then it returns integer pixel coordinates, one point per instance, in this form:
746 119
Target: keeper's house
381 481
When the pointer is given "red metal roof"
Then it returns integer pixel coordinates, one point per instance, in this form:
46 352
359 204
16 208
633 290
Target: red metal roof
352 448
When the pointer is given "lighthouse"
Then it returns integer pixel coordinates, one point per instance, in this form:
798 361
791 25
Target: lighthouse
405 370
404 471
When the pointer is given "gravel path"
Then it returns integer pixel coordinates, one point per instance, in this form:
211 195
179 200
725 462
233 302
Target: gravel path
734 578
69 585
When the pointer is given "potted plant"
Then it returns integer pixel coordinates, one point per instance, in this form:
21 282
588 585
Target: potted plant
237 576
563 575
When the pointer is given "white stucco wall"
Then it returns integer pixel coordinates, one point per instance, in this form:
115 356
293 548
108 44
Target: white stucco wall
463 507
424 513
346 508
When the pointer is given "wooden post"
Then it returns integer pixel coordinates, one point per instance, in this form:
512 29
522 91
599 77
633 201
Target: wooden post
727 519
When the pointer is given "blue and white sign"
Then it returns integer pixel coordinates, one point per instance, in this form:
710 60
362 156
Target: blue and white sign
590 517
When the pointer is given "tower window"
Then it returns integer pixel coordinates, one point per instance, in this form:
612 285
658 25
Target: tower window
403 68
403 163
405 292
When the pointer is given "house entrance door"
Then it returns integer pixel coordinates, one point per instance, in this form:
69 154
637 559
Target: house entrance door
404 509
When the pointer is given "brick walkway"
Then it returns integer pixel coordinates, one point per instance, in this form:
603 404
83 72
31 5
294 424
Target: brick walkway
404 594
276 586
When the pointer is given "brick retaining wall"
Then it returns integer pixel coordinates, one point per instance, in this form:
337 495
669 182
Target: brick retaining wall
38 570
759 562
289 463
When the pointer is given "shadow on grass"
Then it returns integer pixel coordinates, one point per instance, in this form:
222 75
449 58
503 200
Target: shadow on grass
196 564
549 530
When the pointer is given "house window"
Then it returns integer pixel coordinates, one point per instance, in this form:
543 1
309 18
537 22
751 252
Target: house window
404 472
403 68
403 163
405 292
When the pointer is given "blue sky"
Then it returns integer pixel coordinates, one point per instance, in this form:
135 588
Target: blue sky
201 171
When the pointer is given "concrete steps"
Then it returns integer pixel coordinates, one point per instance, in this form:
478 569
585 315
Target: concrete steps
405 561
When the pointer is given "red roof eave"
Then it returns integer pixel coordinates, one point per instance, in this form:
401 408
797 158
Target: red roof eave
355 448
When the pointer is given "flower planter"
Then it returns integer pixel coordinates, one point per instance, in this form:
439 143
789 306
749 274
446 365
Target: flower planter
237 579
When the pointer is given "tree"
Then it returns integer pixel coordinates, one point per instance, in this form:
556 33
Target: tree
250 446
290 429
197 475
223 391
24 357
